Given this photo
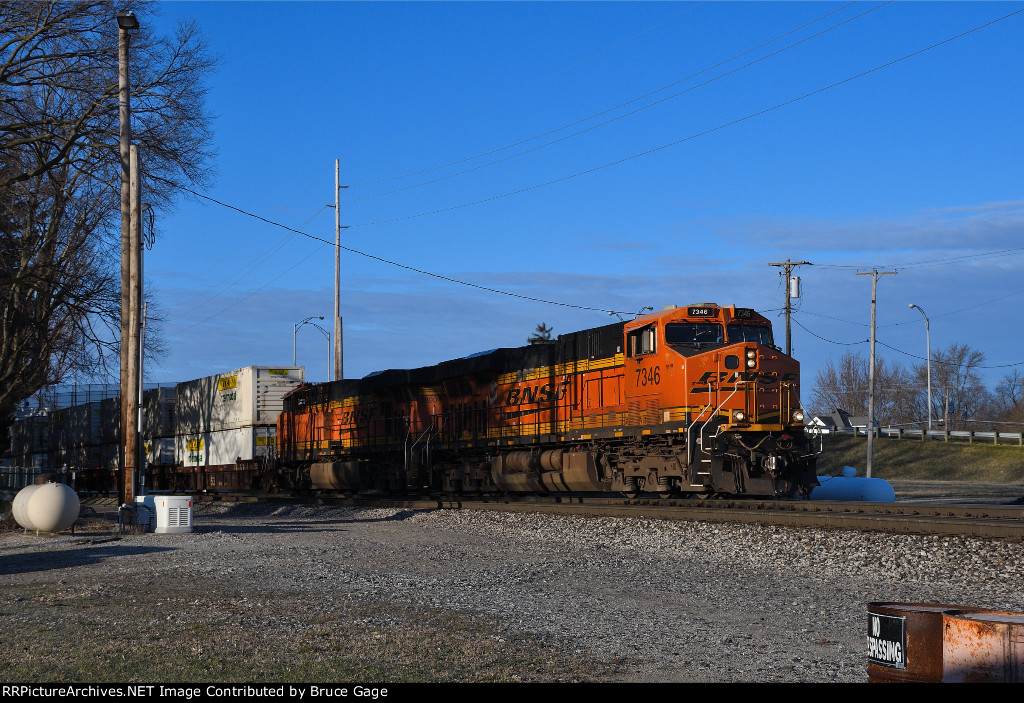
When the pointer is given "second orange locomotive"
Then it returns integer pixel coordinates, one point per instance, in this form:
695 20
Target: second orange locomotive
688 400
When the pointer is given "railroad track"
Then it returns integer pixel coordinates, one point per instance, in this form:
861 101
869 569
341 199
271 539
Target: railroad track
975 520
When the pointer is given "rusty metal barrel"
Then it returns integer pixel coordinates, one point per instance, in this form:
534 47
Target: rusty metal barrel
905 641
985 647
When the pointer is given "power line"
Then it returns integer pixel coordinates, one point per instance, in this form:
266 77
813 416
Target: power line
612 109
508 95
950 363
830 341
395 263
938 262
607 165
240 273
693 136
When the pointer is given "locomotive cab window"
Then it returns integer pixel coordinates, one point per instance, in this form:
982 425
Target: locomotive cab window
693 333
751 333
641 341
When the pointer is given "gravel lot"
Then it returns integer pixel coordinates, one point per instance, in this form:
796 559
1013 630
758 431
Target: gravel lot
265 593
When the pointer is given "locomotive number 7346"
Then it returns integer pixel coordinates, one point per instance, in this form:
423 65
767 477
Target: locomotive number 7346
648 377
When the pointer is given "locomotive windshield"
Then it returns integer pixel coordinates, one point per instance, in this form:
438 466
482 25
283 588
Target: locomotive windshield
693 333
751 333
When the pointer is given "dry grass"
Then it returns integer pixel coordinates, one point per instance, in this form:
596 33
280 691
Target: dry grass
180 632
912 459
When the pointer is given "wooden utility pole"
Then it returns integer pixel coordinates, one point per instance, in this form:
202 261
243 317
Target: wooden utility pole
871 365
126 23
130 396
787 269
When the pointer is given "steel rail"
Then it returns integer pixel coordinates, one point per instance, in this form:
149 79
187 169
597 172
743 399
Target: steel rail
982 521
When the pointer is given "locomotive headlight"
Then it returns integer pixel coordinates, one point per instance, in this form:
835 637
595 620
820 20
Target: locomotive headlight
751 363
798 416
739 416
751 358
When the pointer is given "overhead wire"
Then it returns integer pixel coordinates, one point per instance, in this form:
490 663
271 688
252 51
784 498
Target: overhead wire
612 109
697 135
948 363
934 262
252 293
397 264
600 167
506 96
240 273
830 341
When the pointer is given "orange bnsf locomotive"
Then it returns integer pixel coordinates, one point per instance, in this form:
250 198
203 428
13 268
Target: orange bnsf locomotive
688 400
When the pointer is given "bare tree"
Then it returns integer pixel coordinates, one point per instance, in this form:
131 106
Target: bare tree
60 174
958 393
1008 398
845 385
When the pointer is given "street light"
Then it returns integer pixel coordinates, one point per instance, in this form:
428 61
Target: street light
127 20
330 350
928 343
295 329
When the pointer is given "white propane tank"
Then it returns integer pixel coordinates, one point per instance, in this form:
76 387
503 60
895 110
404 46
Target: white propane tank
51 507
849 487
19 507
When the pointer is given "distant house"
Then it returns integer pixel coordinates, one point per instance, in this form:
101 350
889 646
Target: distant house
839 420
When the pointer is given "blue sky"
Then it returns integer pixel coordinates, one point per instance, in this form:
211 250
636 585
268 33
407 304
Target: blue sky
601 155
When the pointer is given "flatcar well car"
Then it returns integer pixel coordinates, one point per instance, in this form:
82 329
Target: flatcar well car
688 400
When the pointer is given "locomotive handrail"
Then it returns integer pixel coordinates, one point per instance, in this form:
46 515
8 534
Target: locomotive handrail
720 405
704 409
714 414
425 433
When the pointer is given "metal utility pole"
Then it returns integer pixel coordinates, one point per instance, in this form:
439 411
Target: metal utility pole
338 359
338 346
871 368
141 418
787 269
126 22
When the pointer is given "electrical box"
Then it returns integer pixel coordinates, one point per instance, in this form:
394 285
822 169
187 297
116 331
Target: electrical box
164 514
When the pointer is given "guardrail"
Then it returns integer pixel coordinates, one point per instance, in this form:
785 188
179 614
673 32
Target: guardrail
968 436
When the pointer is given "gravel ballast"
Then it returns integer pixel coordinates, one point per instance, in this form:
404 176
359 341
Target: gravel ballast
311 593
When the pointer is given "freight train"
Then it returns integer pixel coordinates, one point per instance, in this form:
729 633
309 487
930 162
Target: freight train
694 400
213 433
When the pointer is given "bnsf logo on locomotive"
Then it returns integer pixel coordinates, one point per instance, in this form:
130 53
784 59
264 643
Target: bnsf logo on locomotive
536 394
746 376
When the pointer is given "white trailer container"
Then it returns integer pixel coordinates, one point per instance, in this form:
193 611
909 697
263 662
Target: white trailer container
249 397
30 435
159 450
158 412
229 418
84 423
226 447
